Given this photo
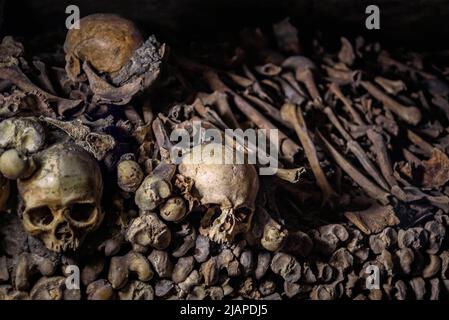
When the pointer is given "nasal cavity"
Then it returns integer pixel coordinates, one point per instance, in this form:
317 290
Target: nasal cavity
63 231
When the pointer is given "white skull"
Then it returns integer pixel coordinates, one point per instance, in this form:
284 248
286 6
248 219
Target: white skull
219 181
62 198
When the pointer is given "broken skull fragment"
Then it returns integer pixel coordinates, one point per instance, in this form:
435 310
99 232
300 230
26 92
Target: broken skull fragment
111 52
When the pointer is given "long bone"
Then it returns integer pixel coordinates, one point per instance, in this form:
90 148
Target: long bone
292 113
409 114
303 72
335 90
357 150
19 79
372 189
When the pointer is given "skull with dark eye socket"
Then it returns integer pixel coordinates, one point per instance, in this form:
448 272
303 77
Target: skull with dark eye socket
227 190
62 199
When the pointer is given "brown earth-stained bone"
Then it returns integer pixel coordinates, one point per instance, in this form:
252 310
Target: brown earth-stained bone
100 290
436 170
335 89
437 233
409 114
383 241
263 264
53 288
343 76
174 209
182 269
432 268
287 146
286 266
104 92
106 41
268 69
303 68
161 263
292 113
346 54
268 109
414 238
391 86
184 240
374 219
202 248
385 59
210 271
147 231
382 157
136 290
356 149
111 46
370 187
18 78
27 266
121 267
192 280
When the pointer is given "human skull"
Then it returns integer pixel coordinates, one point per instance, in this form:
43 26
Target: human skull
62 198
106 41
219 181
110 53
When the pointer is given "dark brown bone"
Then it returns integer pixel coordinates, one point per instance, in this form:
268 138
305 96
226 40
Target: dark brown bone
18 78
303 72
372 189
357 150
409 114
293 114
374 219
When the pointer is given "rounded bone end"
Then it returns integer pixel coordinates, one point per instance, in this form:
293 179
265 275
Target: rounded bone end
15 166
273 238
412 115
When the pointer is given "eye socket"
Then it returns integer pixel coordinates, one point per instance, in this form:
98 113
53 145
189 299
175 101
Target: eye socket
216 213
41 216
242 214
81 212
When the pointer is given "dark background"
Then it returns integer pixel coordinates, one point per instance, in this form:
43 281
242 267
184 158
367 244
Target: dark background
417 24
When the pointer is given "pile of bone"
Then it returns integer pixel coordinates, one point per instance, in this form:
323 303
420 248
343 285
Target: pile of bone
86 181
333 262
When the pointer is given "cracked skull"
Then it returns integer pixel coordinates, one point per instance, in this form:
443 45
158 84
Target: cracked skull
226 189
106 41
110 53
62 198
